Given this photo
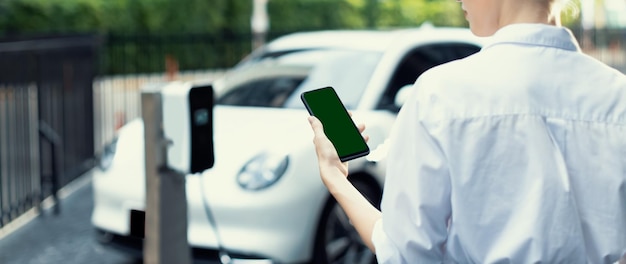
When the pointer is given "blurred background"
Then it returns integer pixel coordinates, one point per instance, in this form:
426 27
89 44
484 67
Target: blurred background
71 70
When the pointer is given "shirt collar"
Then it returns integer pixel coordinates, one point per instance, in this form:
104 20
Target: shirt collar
536 35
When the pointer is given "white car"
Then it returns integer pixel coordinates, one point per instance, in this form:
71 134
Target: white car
264 193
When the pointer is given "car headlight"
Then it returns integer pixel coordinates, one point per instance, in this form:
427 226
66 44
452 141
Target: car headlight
262 171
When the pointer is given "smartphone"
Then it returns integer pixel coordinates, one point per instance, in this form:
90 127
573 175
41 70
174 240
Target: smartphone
325 105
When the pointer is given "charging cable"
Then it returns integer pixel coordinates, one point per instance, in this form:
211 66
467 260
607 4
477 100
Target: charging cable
223 255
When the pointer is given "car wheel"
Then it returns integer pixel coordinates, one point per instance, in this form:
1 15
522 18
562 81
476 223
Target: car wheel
337 241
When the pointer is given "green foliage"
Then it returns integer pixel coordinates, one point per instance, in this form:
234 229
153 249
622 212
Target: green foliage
406 13
204 16
139 34
35 16
290 15
123 16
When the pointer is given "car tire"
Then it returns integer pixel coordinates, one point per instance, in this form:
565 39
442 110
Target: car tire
337 241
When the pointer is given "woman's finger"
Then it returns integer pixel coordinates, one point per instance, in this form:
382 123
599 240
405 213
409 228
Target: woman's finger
361 127
319 137
316 125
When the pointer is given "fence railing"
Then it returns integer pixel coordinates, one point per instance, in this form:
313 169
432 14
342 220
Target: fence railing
62 98
20 184
46 117
149 53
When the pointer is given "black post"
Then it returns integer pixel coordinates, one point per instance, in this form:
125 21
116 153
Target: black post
52 137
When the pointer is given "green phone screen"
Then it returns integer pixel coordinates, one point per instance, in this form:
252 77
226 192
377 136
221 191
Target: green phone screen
324 103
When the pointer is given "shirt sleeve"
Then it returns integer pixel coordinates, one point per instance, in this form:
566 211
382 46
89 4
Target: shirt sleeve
416 199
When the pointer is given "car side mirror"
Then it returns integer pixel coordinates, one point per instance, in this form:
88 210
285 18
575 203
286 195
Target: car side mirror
402 95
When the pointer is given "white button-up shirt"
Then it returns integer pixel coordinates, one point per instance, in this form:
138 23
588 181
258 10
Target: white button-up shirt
516 154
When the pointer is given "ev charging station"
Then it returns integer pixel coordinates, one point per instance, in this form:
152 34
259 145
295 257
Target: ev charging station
178 132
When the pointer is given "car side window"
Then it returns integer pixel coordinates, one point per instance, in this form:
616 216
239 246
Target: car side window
270 92
417 62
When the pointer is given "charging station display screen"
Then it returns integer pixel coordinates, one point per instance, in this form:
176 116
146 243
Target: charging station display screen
201 109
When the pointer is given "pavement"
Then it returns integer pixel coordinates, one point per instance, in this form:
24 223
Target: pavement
67 237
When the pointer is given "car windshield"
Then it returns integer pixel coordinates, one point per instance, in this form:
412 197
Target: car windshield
277 81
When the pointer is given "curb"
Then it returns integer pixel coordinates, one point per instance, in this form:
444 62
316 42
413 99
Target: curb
46 204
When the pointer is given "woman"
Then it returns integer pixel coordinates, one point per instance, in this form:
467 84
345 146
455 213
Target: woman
516 154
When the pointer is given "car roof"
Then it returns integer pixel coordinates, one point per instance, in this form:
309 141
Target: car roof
375 40
389 41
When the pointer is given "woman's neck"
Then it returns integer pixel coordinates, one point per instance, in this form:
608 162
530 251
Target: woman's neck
516 11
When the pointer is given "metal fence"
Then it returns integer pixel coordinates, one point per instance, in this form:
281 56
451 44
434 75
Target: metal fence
46 117
62 99
149 53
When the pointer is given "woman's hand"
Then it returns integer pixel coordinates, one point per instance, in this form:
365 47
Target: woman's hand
329 164
362 214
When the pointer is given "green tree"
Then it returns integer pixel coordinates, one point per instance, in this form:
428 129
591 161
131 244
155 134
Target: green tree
205 33
35 16
290 15
168 16
404 13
